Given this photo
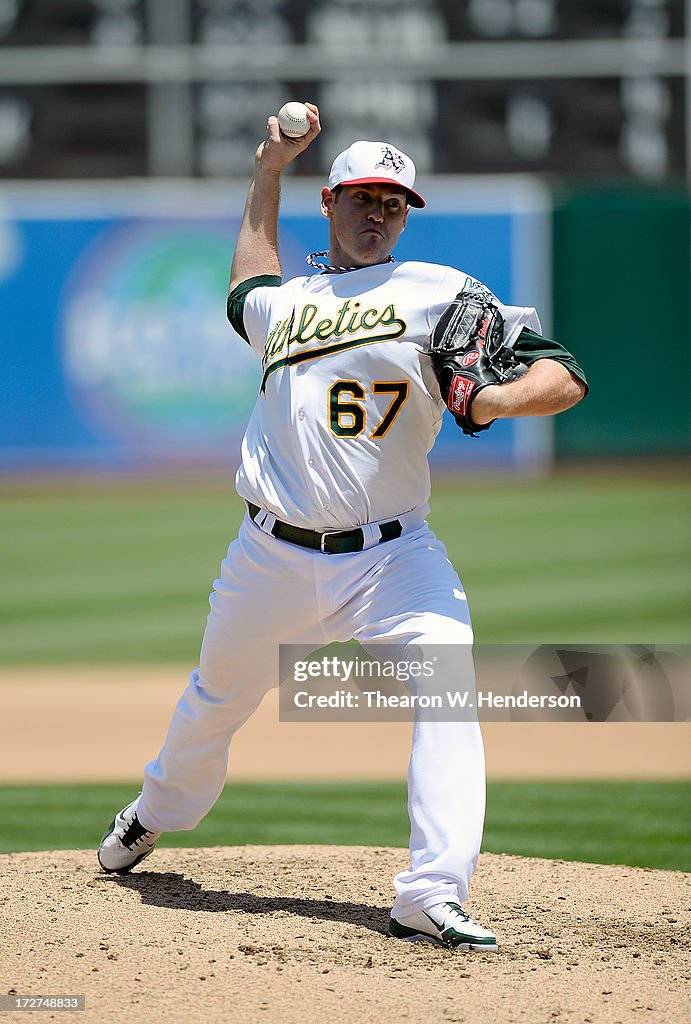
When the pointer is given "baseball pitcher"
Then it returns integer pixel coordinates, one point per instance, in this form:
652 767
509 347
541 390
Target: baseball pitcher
361 359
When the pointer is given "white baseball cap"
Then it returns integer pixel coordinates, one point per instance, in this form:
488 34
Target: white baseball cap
375 163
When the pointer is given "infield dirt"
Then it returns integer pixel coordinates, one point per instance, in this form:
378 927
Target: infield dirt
292 934
56 724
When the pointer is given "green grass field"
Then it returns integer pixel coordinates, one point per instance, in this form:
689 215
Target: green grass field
110 575
643 824
116 574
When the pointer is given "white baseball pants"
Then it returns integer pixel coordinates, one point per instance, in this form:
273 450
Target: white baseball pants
270 592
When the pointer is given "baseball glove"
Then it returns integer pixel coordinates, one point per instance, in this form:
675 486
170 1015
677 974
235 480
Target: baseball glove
468 353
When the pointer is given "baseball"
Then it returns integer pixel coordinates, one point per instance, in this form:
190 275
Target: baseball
293 120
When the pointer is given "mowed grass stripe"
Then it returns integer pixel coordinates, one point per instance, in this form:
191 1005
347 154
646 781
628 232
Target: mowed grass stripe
601 511
662 619
111 525
175 636
582 499
576 541
79 585
637 823
629 584
137 586
596 501
610 573
47 509
642 533
162 635
566 485
92 575
595 514
501 612
80 589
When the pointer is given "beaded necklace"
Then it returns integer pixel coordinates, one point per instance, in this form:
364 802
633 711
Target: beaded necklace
314 257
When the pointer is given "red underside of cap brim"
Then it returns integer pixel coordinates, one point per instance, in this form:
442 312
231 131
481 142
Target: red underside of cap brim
413 198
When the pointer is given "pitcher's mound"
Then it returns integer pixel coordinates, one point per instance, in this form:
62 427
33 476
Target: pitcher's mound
297 935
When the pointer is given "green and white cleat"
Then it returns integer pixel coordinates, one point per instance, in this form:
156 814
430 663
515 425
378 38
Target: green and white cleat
126 842
445 924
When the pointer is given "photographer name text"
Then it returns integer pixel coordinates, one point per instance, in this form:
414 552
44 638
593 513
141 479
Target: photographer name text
451 699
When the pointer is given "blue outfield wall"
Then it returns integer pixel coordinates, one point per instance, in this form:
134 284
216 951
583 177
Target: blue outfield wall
116 348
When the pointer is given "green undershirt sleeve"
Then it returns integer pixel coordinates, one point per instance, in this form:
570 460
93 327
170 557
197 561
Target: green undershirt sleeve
236 299
529 347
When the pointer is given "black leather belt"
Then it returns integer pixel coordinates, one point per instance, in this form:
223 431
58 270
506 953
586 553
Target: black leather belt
336 543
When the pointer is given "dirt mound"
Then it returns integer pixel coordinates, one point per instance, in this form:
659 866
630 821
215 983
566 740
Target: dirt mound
293 934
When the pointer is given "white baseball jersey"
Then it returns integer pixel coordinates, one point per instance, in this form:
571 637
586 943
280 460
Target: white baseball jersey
350 406
339 437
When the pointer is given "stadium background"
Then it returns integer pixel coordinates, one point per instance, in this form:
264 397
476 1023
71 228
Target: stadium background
117 500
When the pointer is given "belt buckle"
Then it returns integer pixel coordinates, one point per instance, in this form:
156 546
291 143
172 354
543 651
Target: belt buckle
322 538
